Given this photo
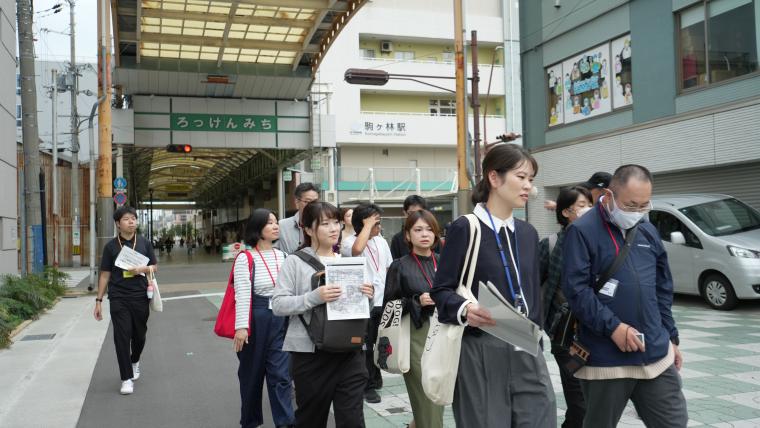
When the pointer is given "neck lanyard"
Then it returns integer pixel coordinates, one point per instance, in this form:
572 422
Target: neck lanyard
134 244
276 264
375 262
606 224
516 298
435 268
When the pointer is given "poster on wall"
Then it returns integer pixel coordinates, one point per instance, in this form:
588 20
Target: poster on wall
622 84
554 102
586 84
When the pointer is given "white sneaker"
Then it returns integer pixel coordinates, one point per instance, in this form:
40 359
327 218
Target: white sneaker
136 370
127 387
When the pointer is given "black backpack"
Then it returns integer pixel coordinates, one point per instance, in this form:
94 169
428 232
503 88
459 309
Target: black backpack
330 335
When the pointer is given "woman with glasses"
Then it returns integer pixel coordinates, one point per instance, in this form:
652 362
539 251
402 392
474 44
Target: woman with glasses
572 203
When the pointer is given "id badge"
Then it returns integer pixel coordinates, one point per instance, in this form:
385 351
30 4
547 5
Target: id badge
610 287
127 274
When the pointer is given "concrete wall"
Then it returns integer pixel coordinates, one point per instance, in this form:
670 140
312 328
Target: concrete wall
8 173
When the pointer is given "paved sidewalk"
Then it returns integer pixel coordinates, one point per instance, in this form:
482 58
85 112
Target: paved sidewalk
721 374
43 379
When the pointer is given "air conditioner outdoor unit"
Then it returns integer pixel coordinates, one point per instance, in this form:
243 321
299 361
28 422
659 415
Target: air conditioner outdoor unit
386 46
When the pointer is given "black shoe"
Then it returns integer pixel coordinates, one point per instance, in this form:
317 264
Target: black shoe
372 396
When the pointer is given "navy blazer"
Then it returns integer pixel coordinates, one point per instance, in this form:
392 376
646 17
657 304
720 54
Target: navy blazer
489 268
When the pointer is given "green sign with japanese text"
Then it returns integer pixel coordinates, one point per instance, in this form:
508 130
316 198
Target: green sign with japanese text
223 123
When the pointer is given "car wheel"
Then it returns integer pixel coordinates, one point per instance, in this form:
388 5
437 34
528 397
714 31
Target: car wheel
718 292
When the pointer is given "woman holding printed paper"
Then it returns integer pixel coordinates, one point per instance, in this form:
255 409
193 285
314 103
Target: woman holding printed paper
410 279
497 384
321 378
261 355
127 293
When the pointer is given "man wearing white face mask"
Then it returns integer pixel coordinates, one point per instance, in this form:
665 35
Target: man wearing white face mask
617 282
571 204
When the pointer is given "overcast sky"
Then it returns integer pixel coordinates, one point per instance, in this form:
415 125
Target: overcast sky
53 46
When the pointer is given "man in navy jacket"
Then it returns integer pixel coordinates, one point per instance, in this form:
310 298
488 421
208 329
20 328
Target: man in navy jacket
628 326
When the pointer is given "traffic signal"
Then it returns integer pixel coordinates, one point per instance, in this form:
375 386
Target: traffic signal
179 148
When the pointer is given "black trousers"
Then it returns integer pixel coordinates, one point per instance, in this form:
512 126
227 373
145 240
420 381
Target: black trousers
130 323
375 380
324 378
571 389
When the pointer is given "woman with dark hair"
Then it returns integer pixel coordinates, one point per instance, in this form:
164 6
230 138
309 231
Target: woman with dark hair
345 221
410 279
497 384
321 378
264 356
572 203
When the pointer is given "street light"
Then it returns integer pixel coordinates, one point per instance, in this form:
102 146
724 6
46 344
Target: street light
357 76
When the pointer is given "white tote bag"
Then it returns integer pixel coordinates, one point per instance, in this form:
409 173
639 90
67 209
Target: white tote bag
155 303
440 358
392 349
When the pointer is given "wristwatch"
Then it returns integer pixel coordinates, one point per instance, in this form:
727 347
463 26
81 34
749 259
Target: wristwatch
98 300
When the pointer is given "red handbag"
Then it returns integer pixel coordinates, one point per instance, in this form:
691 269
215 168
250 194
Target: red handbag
225 320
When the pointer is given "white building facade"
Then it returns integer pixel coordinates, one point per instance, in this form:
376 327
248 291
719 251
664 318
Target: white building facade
8 166
400 138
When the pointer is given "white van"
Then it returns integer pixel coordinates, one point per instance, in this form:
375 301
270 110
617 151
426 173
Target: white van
713 245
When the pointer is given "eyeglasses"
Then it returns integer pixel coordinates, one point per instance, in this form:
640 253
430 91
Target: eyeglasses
306 201
636 209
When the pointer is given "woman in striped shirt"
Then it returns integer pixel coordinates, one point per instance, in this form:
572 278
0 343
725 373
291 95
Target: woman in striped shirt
263 356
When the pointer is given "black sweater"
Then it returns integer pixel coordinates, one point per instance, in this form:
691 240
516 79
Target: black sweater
405 281
489 268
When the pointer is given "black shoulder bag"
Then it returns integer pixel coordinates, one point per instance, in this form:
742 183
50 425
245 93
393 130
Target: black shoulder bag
330 335
579 354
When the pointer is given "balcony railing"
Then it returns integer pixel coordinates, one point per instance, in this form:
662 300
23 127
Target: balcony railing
420 61
406 113
396 183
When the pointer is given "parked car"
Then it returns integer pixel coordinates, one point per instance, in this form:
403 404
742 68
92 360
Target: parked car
713 245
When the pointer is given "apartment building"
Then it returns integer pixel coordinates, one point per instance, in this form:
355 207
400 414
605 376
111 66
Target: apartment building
400 138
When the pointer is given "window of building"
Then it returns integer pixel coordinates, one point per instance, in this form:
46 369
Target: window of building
717 42
448 57
403 55
443 107
580 87
367 53
18 84
18 115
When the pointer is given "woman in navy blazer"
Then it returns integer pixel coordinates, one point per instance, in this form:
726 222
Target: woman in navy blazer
497 384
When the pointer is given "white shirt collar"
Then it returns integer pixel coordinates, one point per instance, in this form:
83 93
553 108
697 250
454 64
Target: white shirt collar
480 212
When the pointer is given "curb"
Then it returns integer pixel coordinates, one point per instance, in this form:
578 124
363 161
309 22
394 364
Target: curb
24 324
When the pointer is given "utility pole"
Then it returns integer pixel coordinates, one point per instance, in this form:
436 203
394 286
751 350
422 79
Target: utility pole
75 199
33 211
463 192
54 99
105 175
475 103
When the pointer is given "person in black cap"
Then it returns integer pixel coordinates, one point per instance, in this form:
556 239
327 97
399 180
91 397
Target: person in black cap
598 182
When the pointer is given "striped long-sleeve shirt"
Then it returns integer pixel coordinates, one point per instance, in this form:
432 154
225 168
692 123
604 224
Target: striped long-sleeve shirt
263 284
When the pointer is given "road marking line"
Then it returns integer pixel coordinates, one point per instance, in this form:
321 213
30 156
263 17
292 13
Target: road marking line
191 296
